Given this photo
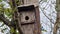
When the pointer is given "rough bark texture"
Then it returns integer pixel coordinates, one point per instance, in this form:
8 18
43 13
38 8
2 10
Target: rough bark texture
31 2
16 16
57 24
6 21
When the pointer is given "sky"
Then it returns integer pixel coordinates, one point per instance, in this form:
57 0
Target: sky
48 7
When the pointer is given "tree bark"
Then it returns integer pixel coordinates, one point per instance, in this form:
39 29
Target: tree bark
6 21
57 24
14 7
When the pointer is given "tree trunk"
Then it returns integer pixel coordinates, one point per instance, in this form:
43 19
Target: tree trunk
57 24
15 17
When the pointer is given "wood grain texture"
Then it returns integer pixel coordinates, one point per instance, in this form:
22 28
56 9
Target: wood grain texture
27 17
32 25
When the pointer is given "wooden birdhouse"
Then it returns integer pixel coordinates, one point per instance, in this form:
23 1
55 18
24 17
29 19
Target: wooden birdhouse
29 17
27 14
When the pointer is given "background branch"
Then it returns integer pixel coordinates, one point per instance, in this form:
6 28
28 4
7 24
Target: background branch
6 21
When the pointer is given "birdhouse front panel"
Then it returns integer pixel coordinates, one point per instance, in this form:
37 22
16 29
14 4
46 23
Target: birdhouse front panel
27 16
28 29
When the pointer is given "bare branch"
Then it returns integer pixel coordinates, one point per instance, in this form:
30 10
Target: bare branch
45 14
7 22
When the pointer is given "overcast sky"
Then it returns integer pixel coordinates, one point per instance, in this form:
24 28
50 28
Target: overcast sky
50 11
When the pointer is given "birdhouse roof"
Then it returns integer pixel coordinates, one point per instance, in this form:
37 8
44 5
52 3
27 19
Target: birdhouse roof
26 7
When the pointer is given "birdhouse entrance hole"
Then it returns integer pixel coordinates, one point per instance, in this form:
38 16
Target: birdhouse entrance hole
26 18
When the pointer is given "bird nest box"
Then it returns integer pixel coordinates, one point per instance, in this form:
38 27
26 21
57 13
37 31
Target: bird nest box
27 14
29 19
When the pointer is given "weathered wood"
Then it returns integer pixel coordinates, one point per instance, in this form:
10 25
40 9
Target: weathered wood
57 24
28 29
31 24
29 17
27 14
37 25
